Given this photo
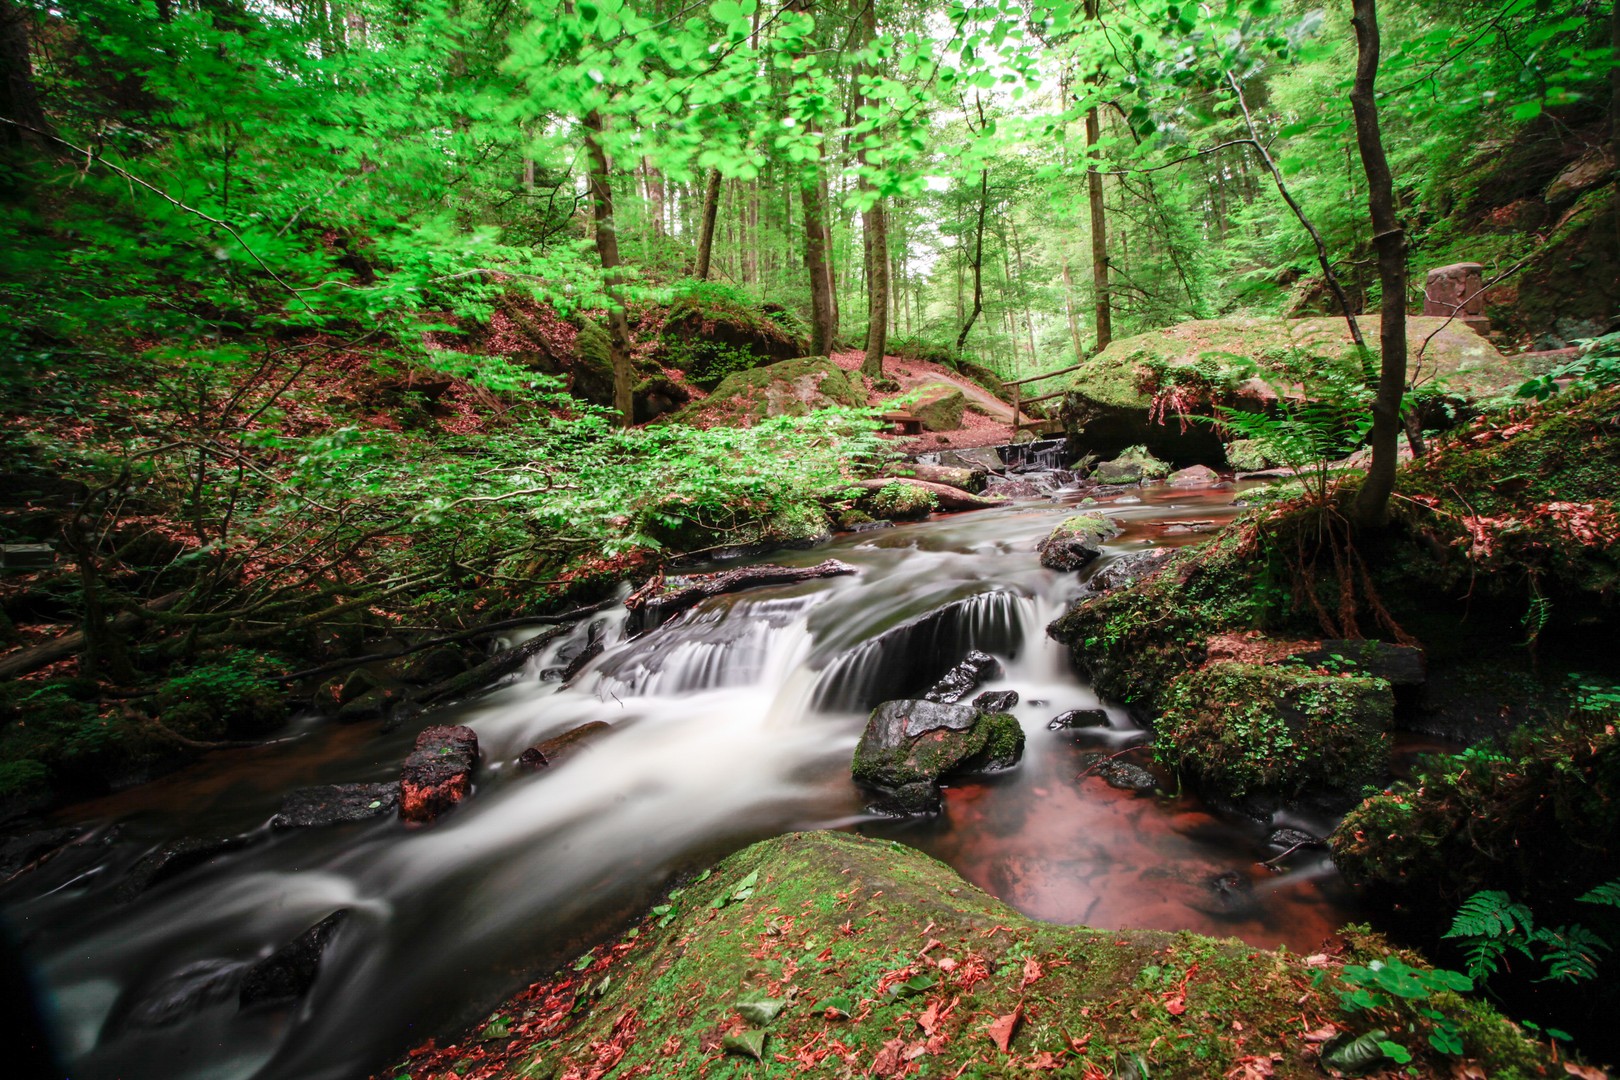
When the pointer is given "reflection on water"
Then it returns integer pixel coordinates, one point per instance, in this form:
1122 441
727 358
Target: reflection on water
734 722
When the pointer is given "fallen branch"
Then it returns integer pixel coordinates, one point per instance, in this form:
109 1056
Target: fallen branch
949 498
657 600
496 667
71 644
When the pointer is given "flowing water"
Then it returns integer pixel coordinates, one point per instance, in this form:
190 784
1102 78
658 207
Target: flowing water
733 722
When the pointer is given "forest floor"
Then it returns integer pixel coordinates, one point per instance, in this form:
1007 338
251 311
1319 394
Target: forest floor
990 427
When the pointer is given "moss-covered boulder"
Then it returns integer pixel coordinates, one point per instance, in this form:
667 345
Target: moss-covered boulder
1243 731
1136 390
825 954
789 388
1076 541
897 502
1248 455
909 746
939 407
1133 465
712 330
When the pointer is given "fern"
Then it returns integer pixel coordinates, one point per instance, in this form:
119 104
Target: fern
1490 923
1571 953
1607 893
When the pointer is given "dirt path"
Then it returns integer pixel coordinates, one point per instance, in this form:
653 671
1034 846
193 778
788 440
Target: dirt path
991 427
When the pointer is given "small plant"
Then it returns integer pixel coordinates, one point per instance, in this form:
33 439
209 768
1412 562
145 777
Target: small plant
1597 366
1391 986
1491 924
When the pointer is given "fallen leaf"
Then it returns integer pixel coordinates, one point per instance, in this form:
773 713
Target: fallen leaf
1175 1006
1321 1034
761 1010
1044 1060
947 965
929 1020
747 1043
1002 1028
1585 1072
888 1062
1032 972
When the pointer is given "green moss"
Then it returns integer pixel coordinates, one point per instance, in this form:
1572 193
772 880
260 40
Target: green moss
837 925
1243 729
712 330
899 502
1098 527
1247 455
789 388
1004 740
234 696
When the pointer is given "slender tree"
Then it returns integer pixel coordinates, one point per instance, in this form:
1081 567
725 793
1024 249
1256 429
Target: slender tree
876 233
607 250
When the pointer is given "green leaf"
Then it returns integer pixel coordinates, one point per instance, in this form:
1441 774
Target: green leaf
1356 1055
761 1011
749 1043
584 962
1526 110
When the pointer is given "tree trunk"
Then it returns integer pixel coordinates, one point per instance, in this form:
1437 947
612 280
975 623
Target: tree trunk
1372 501
822 319
607 250
1068 305
877 240
711 208
978 260
19 100
1099 224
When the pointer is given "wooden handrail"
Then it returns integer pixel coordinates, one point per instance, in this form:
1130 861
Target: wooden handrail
1045 397
1038 378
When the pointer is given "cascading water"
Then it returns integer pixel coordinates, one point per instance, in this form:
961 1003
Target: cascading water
732 722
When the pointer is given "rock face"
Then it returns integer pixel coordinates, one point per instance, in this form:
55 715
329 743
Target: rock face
1275 730
555 749
1076 542
335 804
1078 718
940 408
996 700
965 677
1457 290
287 974
438 773
789 388
908 746
1134 465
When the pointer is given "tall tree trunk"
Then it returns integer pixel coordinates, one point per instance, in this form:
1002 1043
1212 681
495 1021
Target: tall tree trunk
711 208
978 260
822 325
1614 108
19 100
876 233
1099 224
1372 501
1068 305
829 262
607 250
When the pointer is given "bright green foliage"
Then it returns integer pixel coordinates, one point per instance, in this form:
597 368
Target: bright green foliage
1390 985
1490 924
1597 366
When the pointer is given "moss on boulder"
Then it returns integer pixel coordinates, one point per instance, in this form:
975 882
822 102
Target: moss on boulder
939 407
836 955
1241 730
898 502
789 388
1133 465
1076 541
712 330
909 742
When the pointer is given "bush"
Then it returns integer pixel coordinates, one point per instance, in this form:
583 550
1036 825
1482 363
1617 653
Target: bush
230 697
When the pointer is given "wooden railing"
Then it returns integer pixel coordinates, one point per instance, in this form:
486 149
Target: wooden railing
1018 401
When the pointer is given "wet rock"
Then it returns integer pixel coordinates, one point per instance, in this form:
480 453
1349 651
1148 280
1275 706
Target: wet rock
1120 774
371 704
965 677
1012 488
1078 718
175 857
1195 476
1293 838
1076 542
1128 569
907 800
434 665
287 974
357 684
1132 466
336 804
1223 894
20 852
996 700
183 993
553 750
438 773
907 743
591 651
977 458
1399 665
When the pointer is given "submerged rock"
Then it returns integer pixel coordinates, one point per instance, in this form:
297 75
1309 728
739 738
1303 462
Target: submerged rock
287 974
555 749
1294 838
965 677
910 743
174 857
1128 569
182 993
17 853
1076 542
438 773
1078 718
996 700
335 804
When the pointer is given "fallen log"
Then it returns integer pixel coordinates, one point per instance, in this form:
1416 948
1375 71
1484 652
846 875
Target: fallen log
71 644
948 498
501 664
662 597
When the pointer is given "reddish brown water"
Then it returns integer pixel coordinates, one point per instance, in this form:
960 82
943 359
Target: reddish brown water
733 723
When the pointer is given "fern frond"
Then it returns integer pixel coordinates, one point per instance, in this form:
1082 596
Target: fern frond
1607 893
1571 953
1491 913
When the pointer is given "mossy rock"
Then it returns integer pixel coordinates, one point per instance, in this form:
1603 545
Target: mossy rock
228 697
1242 730
713 330
1248 455
1133 465
1076 541
898 502
838 951
909 742
790 388
939 407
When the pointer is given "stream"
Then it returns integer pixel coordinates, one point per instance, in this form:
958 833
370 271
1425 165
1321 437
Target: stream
735 721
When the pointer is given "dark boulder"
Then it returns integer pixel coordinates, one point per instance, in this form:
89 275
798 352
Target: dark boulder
1076 542
438 773
287 974
909 743
1127 569
175 857
1120 774
335 804
964 678
996 700
182 993
1078 718
1289 839
17 853
434 666
555 749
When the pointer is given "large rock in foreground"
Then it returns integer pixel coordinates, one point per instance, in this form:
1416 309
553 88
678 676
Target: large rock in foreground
857 957
438 774
909 746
